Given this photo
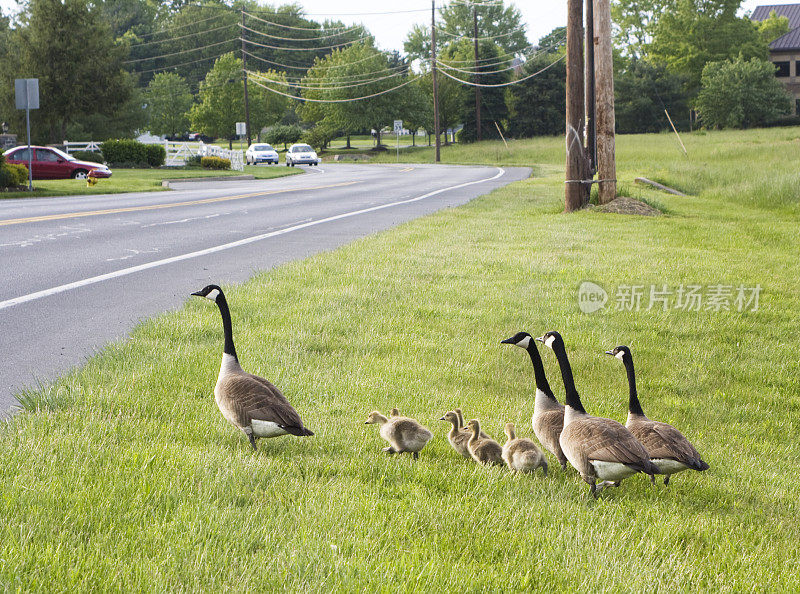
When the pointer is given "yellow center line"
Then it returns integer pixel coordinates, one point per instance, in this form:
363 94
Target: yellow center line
92 213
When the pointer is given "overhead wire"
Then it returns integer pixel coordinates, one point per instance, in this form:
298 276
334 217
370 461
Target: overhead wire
282 26
186 51
330 85
506 84
305 49
176 27
349 100
257 32
138 45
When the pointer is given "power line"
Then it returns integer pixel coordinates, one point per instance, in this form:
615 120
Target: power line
176 27
307 99
332 85
163 68
355 77
186 51
137 45
297 38
306 49
513 82
296 28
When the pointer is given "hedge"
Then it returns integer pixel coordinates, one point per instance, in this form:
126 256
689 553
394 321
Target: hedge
12 176
88 156
215 163
126 151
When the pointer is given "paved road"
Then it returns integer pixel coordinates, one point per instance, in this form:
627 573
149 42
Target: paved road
79 272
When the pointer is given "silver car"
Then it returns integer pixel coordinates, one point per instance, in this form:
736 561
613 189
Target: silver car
301 154
261 153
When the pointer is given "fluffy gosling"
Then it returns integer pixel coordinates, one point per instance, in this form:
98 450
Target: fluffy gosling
402 433
521 454
484 450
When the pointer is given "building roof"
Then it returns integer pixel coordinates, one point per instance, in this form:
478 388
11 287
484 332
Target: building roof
790 11
790 41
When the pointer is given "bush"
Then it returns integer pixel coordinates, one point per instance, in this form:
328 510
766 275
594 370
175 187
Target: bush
156 155
319 136
215 163
88 156
283 135
194 161
12 176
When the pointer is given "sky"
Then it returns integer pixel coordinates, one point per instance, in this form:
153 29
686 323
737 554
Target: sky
540 16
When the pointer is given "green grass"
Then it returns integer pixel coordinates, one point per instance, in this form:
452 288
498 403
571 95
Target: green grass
137 180
124 475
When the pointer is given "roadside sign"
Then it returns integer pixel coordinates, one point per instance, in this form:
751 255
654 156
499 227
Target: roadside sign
27 93
398 126
241 129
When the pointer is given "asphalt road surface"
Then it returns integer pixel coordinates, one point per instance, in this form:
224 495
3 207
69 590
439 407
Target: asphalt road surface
79 272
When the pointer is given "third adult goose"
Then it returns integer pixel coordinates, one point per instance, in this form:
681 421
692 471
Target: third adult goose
247 401
598 448
668 448
548 413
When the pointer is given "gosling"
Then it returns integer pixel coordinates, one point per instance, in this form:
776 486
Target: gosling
457 436
484 450
402 433
521 454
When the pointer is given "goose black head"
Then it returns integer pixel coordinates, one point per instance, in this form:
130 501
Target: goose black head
209 292
551 338
621 352
520 339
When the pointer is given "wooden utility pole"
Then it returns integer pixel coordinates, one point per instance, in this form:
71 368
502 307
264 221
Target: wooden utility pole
246 101
477 78
591 117
435 86
606 159
576 194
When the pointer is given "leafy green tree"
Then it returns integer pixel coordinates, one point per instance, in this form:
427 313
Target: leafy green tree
168 103
741 94
70 49
537 105
221 101
642 92
772 27
360 80
696 32
635 22
283 135
452 97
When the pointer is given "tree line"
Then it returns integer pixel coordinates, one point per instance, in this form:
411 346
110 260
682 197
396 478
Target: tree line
110 67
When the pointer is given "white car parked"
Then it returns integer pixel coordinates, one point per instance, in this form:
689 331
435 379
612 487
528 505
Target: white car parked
301 154
261 153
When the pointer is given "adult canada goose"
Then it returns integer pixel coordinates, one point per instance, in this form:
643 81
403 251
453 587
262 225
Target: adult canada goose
248 401
598 448
484 450
457 436
668 448
548 413
403 433
521 454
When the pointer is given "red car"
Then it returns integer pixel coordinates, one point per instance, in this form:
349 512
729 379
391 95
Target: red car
51 163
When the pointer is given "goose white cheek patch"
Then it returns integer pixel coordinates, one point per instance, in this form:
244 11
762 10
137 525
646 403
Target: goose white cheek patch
524 342
549 341
213 295
620 355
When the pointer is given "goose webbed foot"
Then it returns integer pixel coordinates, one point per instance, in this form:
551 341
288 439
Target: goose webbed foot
666 480
252 441
593 489
415 455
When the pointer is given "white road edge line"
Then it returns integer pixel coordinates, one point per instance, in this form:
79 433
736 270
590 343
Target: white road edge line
234 244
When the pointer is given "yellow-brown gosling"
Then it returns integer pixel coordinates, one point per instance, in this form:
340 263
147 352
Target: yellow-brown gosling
521 454
483 450
402 433
457 436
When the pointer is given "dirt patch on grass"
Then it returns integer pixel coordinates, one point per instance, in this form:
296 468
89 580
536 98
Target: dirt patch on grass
629 206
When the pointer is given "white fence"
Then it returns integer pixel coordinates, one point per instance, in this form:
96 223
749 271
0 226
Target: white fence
71 147
177 152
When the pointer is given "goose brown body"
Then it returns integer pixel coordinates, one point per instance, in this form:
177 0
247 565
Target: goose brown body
249 402
667 447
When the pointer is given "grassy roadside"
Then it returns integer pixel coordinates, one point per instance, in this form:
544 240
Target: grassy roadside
127 477
137 180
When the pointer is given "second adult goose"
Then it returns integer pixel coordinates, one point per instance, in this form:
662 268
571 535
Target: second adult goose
668 448
484 450
247 401
548 413
598 448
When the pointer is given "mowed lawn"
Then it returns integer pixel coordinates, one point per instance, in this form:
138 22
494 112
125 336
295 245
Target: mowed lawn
125 476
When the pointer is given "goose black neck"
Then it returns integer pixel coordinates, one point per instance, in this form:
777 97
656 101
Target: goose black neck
227 327
633 400
573 399
538 370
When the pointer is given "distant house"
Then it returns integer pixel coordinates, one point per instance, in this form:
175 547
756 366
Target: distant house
784 52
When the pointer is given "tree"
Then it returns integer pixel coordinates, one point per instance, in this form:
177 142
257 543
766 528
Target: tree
642 92
740 94
696 32
51 37
772 27
222 100
347 76
537 105
635 22
168 104
283 135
